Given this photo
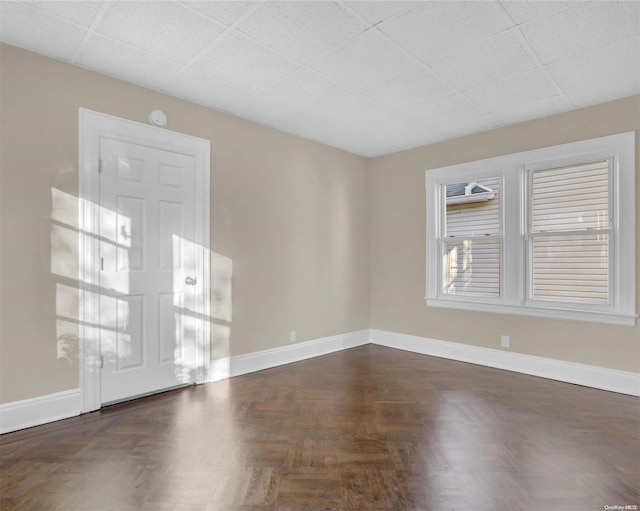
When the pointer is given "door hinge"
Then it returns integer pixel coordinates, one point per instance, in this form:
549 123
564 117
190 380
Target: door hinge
100 166
101 361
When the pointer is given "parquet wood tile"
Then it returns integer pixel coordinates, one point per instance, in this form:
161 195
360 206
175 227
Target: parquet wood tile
369 428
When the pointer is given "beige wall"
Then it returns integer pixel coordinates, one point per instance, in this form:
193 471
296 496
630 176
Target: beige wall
291 215
315 234
397 245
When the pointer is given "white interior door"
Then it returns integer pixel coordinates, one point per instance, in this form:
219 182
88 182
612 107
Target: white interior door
148 277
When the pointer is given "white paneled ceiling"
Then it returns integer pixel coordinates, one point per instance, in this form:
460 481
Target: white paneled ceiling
370 77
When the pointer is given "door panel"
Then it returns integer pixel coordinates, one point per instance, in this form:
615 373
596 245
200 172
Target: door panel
130 332
130 233
171 216
149 194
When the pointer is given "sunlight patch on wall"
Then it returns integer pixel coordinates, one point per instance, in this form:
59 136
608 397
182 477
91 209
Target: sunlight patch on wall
221 273
64 250
64 208
67 301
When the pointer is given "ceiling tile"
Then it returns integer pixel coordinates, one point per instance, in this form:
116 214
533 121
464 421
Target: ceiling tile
380 10
124 62
410 90
239 61
466 127
382 76
581 28
204 90
227 12
302 30
533 110
505 94
444 112
396 134
438 29
486 62
276 115
600 75
351 110
53 37
369 60
521 12
219 96
591 96
165 29
305 90
81 13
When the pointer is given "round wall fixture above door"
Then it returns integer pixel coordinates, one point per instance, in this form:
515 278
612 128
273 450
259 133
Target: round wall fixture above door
158 118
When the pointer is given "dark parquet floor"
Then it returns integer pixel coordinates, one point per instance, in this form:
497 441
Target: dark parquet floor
369 428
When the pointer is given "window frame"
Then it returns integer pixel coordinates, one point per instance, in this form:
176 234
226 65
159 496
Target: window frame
515 270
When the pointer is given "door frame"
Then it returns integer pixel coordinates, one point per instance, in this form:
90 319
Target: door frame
92 127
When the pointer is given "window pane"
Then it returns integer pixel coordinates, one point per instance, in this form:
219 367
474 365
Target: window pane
571 268
472 267
473 208
570 198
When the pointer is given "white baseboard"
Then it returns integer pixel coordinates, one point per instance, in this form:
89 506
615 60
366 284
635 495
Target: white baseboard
570 372
259 360
39 410
62 405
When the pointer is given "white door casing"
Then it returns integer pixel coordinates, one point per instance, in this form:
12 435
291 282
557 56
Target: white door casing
144 233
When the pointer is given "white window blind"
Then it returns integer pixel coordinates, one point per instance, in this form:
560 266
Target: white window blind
472 244
570 233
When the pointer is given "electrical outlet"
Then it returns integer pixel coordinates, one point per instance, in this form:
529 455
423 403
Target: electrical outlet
292 336
505 342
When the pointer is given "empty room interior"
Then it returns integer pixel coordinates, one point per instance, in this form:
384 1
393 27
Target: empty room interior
352 255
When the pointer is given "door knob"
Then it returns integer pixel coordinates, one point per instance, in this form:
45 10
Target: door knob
190 281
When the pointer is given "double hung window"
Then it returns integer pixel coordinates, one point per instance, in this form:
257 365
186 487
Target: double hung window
548 232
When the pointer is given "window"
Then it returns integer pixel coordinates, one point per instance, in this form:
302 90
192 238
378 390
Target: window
548 232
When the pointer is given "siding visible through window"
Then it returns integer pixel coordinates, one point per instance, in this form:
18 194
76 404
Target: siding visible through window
570 233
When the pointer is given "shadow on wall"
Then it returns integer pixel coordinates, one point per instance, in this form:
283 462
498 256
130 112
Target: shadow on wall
120 329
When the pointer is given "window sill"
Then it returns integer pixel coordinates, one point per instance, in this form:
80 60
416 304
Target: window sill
610 318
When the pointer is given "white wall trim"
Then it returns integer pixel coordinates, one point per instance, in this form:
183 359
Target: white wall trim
259 360
69 403
39 410
581 374
62 405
